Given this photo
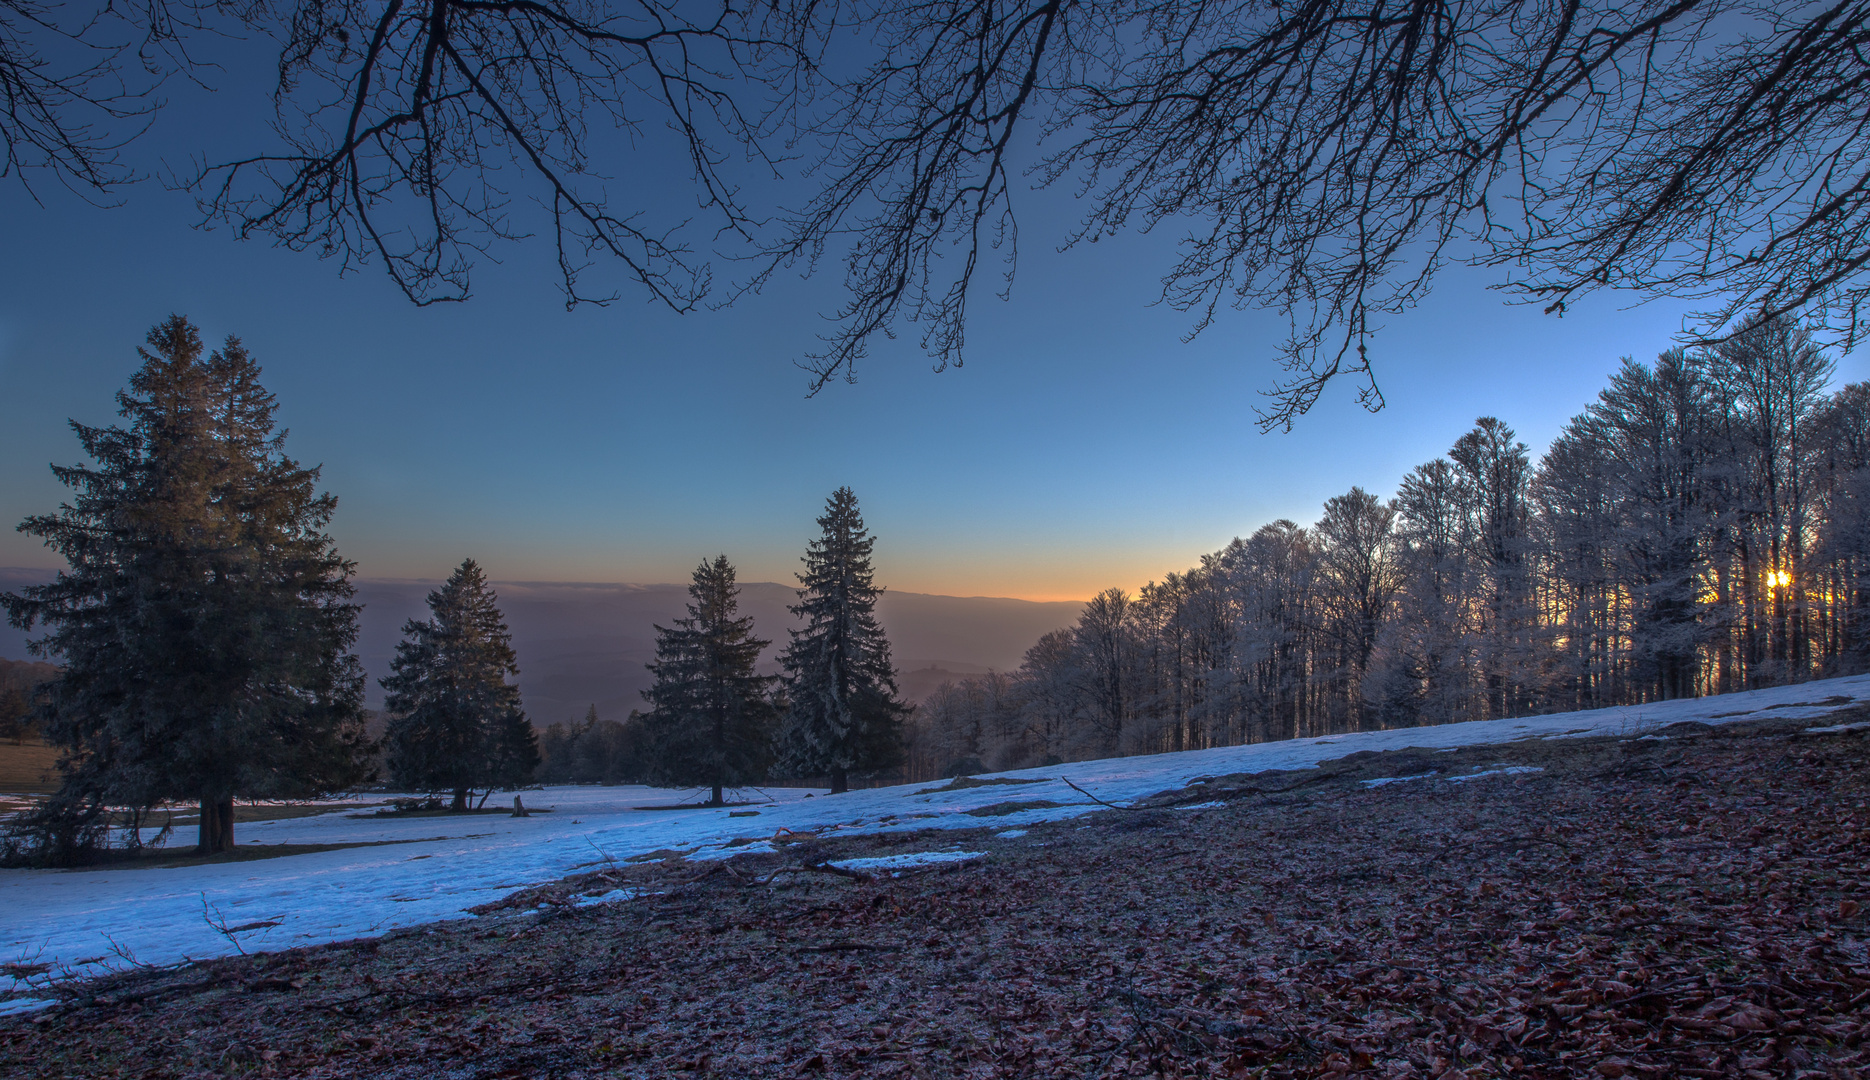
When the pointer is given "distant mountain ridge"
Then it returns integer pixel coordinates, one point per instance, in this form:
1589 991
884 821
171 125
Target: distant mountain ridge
581 644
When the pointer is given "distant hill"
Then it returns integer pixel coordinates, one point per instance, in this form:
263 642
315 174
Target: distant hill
583 644
24 674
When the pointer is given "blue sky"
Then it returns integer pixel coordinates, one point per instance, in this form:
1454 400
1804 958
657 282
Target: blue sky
1083 444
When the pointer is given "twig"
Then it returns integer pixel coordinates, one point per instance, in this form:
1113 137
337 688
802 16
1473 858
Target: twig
604 855
1657 992
1101 802
218 923
816 868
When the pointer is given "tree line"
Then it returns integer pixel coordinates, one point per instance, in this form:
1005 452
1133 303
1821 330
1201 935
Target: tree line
204 633
1702 527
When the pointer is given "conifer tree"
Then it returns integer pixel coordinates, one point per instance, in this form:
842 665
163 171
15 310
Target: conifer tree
203 623
711 722
843 711
455 721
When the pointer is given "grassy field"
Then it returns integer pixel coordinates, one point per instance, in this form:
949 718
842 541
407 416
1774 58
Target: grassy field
29 768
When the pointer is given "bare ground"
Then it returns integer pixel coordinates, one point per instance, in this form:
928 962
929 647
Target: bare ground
1690 906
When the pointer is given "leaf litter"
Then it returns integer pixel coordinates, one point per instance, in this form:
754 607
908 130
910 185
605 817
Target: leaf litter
1639 908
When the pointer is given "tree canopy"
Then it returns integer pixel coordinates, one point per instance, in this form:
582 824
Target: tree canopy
1325 159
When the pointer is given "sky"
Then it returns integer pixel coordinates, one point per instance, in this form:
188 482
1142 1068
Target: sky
1083 445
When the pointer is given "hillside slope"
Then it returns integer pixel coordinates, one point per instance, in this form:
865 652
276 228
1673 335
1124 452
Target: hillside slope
429 868
1683 902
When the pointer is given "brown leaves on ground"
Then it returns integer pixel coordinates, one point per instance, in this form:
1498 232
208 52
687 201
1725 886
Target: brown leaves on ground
1689 907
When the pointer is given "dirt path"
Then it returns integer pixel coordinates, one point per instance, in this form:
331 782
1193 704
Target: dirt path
1682 907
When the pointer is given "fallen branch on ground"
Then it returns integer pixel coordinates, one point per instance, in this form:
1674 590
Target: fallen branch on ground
1101 802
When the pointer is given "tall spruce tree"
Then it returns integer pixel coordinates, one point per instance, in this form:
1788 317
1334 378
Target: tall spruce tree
843 712
203 622
712 719
455 721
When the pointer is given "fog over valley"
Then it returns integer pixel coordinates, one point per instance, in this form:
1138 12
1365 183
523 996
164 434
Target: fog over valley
583 644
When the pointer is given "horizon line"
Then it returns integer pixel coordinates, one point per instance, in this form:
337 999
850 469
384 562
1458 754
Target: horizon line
391 579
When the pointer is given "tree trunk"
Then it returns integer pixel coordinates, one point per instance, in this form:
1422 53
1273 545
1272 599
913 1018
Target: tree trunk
208 828
215 833
460 802
718 799
840 781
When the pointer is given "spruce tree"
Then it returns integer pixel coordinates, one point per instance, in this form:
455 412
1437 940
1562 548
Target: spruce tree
711 722
455 721
843 712
203 623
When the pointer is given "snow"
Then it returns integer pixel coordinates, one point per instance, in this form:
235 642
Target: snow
1510 770
878 864
424 869
1383 780
611 897
1837 728
25 1004
1498 770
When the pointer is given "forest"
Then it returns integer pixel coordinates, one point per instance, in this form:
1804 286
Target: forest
1702 527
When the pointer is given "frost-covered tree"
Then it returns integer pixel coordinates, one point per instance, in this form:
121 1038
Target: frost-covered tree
1627 497
1359 573
203 624
1102 641
712 717
1773 376
843 711
1497 471
1844 537
455 721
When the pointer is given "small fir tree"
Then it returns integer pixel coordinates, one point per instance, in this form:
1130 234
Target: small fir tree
455 721
843 712
711 722
203 623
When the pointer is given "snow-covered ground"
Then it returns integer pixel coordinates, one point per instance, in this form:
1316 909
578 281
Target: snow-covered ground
90 920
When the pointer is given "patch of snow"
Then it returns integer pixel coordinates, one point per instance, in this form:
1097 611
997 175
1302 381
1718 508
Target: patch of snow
1504 770
25 1005
1215 804
1834 728
80 918
610 897
1510 770
1011 834
878 864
